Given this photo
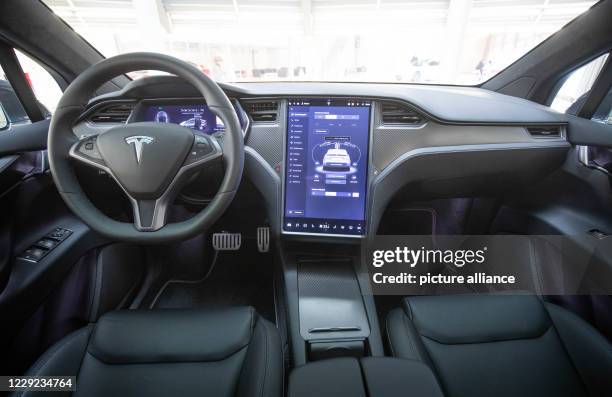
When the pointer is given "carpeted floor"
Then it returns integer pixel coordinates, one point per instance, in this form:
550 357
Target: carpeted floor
244 277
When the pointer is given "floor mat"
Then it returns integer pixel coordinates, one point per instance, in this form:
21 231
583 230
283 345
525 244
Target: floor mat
238 278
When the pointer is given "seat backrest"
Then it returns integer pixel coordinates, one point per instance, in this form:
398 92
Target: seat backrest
201 352
500 345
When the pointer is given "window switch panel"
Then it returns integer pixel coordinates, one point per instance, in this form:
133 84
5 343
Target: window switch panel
42 247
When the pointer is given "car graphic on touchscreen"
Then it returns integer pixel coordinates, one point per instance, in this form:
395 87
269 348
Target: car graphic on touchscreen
337 160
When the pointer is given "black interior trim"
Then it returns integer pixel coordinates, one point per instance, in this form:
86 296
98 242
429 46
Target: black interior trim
600 89
17 79
25 138
588 133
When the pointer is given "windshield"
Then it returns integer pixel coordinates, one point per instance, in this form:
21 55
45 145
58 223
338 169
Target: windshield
419 41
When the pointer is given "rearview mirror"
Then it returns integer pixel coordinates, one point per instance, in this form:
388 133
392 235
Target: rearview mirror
4 120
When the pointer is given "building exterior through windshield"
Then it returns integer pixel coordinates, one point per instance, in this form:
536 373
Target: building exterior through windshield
422 41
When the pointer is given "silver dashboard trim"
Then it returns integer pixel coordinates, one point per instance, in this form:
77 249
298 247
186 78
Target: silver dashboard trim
467 148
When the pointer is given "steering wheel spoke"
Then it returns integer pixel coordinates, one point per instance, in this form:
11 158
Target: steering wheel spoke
149 215
205 150
86 151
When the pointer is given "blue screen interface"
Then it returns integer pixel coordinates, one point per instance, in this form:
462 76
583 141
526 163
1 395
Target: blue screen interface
196 117
326 166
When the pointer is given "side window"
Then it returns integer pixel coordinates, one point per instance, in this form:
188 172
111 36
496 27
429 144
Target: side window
45 88
575 89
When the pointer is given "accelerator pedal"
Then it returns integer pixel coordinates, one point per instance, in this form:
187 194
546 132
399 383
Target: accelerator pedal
263 239
226 241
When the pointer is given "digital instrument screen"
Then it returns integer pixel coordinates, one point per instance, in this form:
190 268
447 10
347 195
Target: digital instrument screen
196 117
326 166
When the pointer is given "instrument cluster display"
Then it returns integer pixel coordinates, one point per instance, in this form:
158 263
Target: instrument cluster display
195 116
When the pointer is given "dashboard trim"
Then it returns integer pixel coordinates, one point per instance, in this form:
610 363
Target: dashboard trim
477 107
427 151
379 199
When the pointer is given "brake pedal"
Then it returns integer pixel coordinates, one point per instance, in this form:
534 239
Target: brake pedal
226 241
263 239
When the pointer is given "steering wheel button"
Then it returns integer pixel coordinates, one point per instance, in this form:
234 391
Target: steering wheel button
201 143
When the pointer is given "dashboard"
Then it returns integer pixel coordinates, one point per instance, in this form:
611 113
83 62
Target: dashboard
328 158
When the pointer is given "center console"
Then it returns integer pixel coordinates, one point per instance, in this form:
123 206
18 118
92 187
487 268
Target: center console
332 320
325 186
332 315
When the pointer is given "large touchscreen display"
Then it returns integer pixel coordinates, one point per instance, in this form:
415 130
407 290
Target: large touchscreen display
326 166
196 117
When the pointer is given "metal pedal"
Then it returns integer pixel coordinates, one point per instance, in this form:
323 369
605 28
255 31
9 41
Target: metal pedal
263 239
226 241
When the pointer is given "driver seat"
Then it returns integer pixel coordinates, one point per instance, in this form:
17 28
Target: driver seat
168 352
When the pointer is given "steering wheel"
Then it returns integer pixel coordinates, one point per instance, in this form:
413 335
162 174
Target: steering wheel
150 161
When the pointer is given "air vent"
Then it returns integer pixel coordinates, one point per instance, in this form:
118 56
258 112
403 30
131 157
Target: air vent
397 114
549 131
262 111
117 114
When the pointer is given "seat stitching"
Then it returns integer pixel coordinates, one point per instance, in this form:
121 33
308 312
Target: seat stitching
412 342
412 345
263 385
490 341
169 362
409 307
389 336
84 354
533 265
252 320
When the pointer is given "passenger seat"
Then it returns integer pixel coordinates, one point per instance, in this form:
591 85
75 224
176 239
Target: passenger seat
502 345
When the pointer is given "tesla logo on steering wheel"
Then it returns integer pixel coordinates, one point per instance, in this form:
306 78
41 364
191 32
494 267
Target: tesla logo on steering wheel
138 140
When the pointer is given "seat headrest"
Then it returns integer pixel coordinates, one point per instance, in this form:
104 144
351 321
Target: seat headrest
168 335
455 319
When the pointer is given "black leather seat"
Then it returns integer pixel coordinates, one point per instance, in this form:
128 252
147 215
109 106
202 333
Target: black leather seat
229 352
502 345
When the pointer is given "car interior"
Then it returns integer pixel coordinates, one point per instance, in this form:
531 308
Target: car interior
178 235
